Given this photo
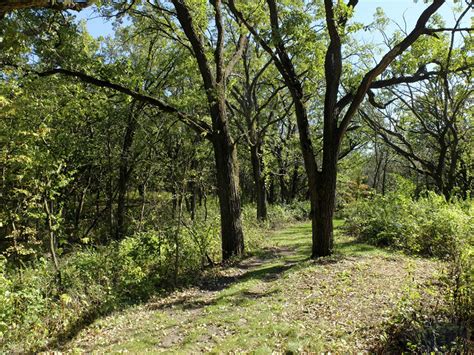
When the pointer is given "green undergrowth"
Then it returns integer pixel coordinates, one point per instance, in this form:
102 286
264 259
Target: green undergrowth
432 227
39 310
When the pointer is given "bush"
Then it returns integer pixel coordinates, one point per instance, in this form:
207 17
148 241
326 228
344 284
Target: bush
423 324
25 304
35 309
427 226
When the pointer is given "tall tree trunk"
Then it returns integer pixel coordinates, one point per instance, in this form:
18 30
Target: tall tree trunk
52 236
271 190
80 206
192 202
384 176
229 195
294 183
193 188
142 193
225 152
259 180
109 194
283 188
378 164
323 199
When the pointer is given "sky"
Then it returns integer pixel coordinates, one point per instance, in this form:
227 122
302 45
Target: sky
396 10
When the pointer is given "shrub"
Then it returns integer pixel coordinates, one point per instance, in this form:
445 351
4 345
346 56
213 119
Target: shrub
24 309
427 226
424 324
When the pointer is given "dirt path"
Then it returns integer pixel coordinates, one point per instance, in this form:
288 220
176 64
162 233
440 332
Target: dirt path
279 301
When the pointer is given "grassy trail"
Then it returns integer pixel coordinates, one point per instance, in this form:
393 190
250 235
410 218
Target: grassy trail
278 300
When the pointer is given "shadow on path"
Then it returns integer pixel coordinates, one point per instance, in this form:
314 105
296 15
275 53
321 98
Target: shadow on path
250 268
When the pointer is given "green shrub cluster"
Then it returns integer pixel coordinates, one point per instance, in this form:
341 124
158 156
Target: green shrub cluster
426 226
423 324
37 309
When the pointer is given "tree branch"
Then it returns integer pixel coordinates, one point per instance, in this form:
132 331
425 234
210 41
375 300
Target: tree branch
7 6
242 43
387 59
199 126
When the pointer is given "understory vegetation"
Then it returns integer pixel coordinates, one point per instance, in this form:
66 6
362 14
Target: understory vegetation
342 302
37 309
431 227
40 311
236 176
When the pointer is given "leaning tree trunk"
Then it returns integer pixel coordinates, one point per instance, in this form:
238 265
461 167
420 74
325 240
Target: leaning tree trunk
259 180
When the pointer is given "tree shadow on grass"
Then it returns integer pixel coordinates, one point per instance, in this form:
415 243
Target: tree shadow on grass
61 338
190 303
266 274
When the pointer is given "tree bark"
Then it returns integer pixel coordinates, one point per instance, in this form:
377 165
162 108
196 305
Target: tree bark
271 190
259 180
294 182
323 198
11 5
80 206
229 195
225 153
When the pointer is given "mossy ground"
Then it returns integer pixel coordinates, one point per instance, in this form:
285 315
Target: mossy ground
278 300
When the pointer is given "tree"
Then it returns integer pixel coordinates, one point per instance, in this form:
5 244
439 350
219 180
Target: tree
257 101
224 148
427 123
338 110
218 132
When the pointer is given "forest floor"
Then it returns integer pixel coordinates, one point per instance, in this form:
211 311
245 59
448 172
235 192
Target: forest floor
278 300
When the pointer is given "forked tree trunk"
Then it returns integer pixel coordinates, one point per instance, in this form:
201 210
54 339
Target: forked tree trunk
225 152
322 183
